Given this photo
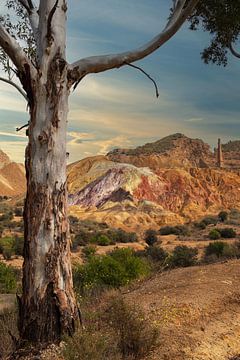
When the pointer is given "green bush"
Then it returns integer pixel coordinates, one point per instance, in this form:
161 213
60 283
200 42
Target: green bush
227 233
100 239
113 270
8 279
156 253
223 216
215 248
150 237
121 236
7 247
174 230
10 246
183 256
89 251
214 234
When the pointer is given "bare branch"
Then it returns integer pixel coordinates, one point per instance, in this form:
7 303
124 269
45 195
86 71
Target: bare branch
22 127
16 87
233 51
96 64
149 77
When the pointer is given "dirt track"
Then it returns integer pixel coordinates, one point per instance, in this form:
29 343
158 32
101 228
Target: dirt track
196 309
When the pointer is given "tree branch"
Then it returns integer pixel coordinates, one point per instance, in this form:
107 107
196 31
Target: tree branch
22 127
16 87
32 15
233 51
13 50
25 4
96 64
49 21
148 76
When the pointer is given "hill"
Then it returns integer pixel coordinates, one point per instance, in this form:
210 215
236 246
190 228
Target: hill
169 181
175 150
12 177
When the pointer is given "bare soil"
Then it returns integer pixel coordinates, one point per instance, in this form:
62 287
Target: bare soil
197 311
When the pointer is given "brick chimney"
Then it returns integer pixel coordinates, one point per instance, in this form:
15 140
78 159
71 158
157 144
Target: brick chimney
219 154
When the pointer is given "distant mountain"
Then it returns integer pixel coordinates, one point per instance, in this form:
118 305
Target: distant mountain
12 177
172 151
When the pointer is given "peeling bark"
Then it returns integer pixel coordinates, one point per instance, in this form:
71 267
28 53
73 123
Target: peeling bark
47 307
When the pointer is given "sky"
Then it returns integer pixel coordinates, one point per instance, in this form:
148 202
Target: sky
118 108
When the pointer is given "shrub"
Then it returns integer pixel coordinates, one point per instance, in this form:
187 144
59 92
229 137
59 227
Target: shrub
100 239
200 225
210 220
80 239
174 230
18 211
135 336
223 216
89 251
113 270
7 247
214 234
18 245
90 344
150 237
227 233
156 253
121 236
8 325
215 248
8 280
183 256
167 230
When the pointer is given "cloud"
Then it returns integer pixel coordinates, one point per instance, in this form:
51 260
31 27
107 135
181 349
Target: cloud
78 137
9 134
194 119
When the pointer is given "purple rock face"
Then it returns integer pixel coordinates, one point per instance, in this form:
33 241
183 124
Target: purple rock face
107 187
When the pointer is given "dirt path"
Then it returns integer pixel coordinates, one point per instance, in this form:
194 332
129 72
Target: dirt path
196 309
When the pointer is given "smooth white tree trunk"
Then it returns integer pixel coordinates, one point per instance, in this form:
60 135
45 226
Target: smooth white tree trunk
47 306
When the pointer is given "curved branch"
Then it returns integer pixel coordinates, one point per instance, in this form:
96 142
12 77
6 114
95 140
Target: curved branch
13 50
96 64
233 51
16 87
147 75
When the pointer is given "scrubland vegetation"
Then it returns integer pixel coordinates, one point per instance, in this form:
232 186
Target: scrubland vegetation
118 330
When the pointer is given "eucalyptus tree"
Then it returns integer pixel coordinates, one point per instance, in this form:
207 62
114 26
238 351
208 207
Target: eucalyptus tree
33 50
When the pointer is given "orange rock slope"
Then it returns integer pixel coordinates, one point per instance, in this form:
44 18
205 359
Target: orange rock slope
12 177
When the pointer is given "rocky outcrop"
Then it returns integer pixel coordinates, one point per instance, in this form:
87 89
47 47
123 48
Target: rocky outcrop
170 152
128 196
